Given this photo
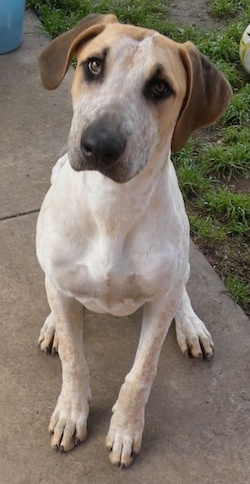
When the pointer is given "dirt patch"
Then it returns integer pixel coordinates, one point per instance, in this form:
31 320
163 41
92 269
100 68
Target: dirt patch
194 12
241 185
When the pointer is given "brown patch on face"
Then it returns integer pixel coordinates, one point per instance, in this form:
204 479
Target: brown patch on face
167 54
108 39
129 65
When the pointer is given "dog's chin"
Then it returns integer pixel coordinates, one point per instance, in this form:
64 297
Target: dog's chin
117 172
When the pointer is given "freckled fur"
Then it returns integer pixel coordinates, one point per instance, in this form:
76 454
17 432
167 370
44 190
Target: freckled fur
114 246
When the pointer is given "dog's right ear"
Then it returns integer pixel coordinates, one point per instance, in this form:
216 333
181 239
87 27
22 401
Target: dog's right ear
55 59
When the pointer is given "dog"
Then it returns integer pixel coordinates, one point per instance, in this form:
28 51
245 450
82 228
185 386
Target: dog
112 233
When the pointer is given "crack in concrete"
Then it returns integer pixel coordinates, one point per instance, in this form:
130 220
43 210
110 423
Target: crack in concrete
21 214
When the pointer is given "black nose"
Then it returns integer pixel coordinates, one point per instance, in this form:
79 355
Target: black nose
102 144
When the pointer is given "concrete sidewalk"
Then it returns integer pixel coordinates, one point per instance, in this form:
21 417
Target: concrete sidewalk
198 416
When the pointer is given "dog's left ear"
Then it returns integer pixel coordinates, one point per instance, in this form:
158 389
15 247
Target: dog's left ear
54 60
208 95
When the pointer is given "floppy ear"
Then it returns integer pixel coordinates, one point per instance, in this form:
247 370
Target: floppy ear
54 60
208 94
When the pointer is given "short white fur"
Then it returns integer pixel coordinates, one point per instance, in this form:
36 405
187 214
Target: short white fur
114 247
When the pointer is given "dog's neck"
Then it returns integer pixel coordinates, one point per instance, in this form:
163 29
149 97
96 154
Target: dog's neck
120 205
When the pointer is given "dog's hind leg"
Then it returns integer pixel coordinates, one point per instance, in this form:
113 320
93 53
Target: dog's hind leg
68 424
48 340
192 335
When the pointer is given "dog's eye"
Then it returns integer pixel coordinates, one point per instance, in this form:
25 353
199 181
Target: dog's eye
160 87
95 66
157 89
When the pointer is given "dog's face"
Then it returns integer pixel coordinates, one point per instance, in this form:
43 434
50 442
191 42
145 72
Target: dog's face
136 94
127 93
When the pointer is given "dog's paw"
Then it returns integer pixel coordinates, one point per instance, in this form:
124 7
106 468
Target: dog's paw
48 340
125 432
193 337
68 424
123 440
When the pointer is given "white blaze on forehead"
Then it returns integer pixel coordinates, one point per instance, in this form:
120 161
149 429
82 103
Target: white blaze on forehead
128 62
126 47
127 41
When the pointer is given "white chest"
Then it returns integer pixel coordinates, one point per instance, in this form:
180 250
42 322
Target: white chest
106 277
113 247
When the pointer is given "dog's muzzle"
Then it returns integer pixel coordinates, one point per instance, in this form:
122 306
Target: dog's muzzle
102 145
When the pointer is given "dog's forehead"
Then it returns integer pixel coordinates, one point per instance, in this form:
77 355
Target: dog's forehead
136 50
113 32
126 40
133 55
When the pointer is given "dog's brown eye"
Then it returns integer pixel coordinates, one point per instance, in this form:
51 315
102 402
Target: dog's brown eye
95 67
159 88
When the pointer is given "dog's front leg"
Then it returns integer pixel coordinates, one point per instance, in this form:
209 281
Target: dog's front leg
68 424
127 423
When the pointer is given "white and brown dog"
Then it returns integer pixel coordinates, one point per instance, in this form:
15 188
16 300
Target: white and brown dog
112 233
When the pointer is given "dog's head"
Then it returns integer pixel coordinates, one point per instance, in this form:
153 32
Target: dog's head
135 94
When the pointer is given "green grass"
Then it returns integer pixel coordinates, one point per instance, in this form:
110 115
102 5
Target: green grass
207 227
224 8
230 8
232 209
227 161
219 217
239 290
60 15
238 112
